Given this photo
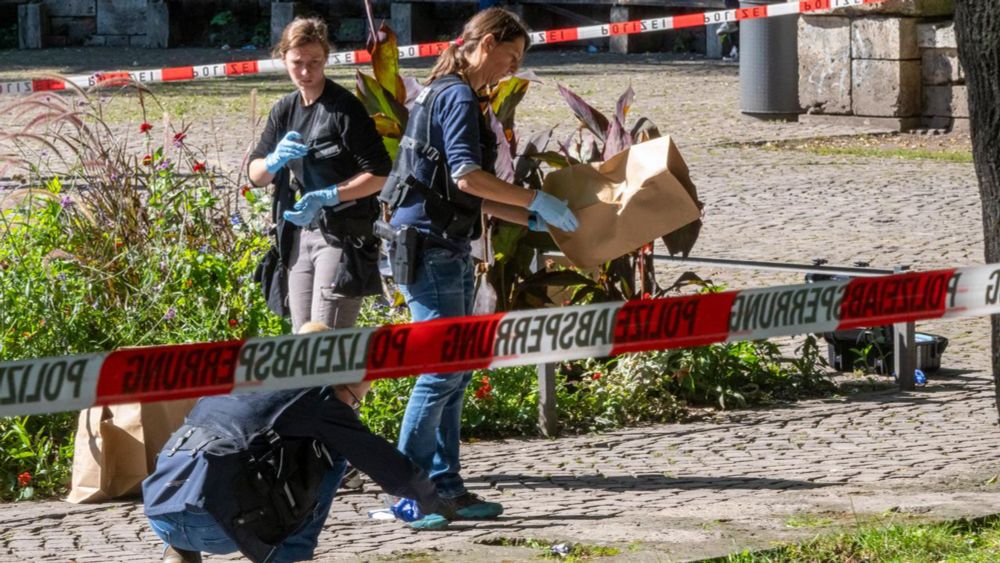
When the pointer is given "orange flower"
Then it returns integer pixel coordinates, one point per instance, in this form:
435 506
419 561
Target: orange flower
233 323
179 137
24 479
198 167
597 375
145 127
244 191
119 244
147 160
485 389
188 282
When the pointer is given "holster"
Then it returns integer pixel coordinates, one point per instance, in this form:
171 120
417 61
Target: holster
404 248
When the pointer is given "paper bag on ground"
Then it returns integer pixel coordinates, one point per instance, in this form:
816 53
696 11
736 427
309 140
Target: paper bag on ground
116 447
636 196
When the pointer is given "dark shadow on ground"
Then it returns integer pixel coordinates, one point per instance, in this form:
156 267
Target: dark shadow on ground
647 482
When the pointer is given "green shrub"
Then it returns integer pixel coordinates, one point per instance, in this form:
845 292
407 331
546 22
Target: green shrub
101 249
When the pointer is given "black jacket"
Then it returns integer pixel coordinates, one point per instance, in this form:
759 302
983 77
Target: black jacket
235 454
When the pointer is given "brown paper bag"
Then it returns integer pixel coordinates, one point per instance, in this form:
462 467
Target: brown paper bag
636 196
116 447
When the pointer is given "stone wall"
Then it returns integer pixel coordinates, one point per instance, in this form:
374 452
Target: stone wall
893 63
148 23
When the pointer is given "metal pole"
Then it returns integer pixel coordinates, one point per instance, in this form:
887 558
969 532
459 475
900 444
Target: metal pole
548 418
778 266
904 356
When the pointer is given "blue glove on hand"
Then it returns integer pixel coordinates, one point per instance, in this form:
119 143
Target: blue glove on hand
537 224
288 148
306 209
553 211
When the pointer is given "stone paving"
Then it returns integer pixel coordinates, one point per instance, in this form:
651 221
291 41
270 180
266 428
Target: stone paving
735 480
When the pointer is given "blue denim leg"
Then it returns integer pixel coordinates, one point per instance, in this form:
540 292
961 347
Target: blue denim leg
300 545
431 430
192 530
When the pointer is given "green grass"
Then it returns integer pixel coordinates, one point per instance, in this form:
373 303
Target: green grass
965 541
576 551
905 154
808 521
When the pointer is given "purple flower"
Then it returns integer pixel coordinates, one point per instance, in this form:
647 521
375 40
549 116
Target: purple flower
235 219
178 144
164 164
61 277
171 313
203 249
66 201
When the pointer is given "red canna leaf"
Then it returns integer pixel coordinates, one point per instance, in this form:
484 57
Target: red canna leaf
588 116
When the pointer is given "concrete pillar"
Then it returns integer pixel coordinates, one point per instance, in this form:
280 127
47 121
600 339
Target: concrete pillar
32 26
713 43
157 25
621 43
412 22
282 14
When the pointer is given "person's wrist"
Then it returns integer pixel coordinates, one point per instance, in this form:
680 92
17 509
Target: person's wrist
534 200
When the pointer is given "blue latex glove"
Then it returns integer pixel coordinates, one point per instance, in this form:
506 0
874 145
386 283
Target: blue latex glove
553 211
289 148
306 209
537 224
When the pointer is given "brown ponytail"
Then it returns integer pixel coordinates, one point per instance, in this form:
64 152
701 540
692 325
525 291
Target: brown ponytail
505 26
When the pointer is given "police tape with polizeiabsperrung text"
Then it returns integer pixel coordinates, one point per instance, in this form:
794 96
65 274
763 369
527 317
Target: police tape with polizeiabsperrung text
243 68
161 373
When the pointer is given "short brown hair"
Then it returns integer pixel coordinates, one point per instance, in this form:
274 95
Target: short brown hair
504 25
302 31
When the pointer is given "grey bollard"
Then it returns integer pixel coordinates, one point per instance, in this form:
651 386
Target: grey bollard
32 26
157 25
769 65
282 14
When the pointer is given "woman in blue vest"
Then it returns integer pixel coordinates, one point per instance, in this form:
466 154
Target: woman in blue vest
441 184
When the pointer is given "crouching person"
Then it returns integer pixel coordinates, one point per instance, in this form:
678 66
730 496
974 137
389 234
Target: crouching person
257 473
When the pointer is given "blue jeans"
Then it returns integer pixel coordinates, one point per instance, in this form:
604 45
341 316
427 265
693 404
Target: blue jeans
196 530
444 287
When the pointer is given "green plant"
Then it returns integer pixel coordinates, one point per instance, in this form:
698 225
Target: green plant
8 36
223 19
36 457
976 540
114 241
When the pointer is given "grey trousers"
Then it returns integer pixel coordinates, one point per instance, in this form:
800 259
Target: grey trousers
311 271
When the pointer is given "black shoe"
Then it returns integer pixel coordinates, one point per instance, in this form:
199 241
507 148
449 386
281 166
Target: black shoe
352 480
174 555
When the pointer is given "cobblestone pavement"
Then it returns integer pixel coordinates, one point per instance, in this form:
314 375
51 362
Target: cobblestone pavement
741 479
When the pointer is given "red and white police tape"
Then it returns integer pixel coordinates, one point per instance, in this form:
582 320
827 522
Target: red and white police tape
240 68
505 339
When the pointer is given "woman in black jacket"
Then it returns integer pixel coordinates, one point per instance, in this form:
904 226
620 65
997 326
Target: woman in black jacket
321 144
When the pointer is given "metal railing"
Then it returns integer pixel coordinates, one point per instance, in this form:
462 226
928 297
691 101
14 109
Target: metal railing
904 339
